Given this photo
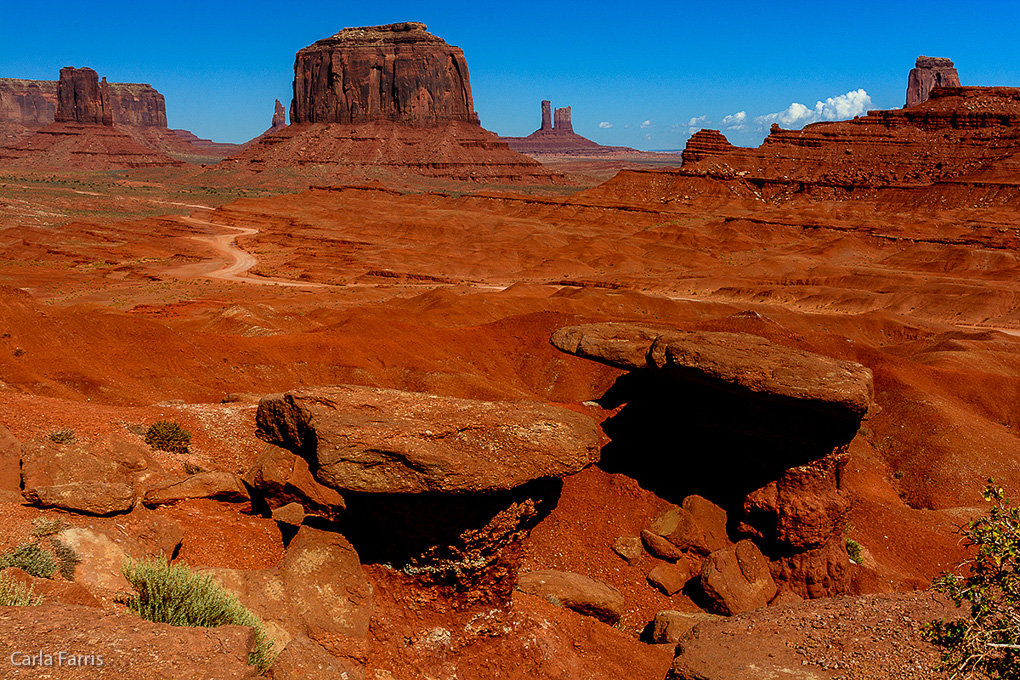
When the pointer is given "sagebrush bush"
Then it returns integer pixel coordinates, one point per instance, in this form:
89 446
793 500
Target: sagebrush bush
67 558
175 595
48 526
31 558
987 643
166 435
14 594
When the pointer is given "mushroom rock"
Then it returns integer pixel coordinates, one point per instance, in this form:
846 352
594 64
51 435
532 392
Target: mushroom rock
927 74
758 428
446 487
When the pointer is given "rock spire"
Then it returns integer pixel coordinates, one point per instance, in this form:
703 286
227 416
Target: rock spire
927 74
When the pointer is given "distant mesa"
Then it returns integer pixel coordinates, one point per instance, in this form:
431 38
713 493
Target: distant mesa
927 74
556 136
57 110
393 98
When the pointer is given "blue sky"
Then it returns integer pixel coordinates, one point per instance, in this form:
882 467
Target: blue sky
635 74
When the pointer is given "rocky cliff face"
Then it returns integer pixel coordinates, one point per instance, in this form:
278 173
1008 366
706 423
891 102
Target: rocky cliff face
81 98
563 123
397 72
28 102
34 102
927 74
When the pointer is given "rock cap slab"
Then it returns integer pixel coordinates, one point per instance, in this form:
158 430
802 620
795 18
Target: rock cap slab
370 440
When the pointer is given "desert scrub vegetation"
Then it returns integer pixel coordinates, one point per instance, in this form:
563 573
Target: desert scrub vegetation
173 594
65 436
14 594
987 643
40 559
30 557
169 436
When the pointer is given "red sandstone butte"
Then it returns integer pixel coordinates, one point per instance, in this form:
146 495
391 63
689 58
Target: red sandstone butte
927 74
397 72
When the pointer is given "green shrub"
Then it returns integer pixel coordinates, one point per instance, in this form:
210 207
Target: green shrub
166 435
14 594
48 526
31 558
987 644
175 595
65 436
853 549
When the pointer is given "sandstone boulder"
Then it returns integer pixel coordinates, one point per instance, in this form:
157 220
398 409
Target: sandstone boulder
305 659
47 463
697 525
92 498
101 560
369 440
660 547
669 626
737 579
576 592
671 578
291 514
629 548
52 590
318 591
116 640
222 486
281 477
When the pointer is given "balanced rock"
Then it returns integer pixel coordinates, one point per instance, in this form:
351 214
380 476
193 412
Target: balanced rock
573 591
737 579
927 74
397 72
379 441
734 360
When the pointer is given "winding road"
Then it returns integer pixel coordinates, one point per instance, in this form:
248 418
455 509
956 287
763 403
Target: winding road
236 262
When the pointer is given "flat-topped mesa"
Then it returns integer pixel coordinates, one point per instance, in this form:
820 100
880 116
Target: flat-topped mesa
81 98
34 102
398 72
927 74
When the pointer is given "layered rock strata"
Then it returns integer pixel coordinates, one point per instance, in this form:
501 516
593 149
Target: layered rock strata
34 102
927 74
81 98
758 428
959 135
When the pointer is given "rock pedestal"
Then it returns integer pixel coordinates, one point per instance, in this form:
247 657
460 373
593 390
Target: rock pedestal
927 74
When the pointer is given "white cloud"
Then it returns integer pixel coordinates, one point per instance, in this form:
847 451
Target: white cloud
700 121
646 124
735 121
626 126
842 107
648 136
605 125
